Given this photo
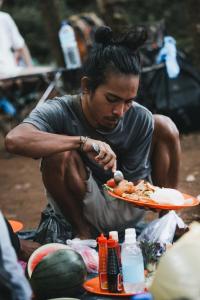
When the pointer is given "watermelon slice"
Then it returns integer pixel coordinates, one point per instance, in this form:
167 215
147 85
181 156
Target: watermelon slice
59 274
40 253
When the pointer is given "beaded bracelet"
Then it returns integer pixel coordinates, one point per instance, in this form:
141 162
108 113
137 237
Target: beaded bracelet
83 140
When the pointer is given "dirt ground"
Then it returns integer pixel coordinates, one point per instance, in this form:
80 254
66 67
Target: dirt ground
22 195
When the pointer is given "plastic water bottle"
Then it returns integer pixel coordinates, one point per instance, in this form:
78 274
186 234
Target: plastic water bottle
145 296
168 54
69 46
132 264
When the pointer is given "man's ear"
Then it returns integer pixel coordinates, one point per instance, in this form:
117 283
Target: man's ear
85 86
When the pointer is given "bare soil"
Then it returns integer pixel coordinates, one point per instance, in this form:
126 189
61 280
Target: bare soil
22 195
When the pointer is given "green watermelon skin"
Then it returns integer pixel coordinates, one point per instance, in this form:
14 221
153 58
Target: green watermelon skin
59 274
40 253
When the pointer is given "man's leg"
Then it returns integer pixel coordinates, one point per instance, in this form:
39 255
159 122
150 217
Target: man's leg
64 176
165 153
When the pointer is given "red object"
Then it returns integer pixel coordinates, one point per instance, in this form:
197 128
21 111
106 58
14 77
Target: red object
37 256
16 225
111 183
103 255
145 202
93 286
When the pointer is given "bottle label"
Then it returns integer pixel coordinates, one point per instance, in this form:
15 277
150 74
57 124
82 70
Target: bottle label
103 280
119 283
72 56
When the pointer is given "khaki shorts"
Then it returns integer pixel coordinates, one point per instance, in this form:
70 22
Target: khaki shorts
104 212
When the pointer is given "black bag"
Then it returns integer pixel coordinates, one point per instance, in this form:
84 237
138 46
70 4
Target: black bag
178 98
53 228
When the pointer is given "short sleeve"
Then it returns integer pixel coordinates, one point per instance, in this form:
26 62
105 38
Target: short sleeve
135 163
48 117
15 36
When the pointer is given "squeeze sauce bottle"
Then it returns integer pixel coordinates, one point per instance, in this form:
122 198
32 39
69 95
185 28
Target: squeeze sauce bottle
103 257
114 277
114 235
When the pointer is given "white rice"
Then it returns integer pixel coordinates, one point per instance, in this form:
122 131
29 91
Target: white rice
167 196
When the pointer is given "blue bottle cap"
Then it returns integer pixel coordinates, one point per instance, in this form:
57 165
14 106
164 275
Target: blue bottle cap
144 296
64 22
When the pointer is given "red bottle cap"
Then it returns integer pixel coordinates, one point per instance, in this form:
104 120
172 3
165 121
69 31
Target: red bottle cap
102 239
111 243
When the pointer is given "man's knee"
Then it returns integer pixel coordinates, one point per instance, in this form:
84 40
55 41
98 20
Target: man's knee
59 162
166 129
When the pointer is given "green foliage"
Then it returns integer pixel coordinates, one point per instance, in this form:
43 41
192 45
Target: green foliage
28 17
29 21
151 252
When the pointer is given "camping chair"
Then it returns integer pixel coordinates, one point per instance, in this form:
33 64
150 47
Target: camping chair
19 94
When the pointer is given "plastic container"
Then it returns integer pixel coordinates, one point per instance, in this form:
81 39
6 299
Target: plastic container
114 235
113 270
69 46
132 264
130 231
103 256
145 296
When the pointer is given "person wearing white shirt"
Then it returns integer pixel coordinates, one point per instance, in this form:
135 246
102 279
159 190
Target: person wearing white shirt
12 46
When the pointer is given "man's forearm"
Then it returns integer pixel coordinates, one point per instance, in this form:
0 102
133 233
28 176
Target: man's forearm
35 143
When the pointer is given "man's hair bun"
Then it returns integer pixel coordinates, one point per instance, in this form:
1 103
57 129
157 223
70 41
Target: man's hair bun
103 35
134 38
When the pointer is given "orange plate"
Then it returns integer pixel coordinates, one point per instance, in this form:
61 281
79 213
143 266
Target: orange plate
16 225
92 286
152 204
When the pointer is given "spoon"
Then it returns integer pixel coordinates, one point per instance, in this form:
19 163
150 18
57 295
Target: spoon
118 175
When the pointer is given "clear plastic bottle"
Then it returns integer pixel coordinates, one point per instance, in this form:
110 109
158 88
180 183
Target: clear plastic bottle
132 264
130 231
69 46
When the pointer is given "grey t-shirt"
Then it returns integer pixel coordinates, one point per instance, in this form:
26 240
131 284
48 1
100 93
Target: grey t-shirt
130 139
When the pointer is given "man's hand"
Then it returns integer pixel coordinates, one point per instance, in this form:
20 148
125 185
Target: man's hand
101 152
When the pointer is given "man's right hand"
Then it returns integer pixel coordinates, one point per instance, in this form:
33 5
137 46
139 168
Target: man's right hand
104 155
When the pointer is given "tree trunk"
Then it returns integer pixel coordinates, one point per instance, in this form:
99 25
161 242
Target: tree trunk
114 13
50 13
194 28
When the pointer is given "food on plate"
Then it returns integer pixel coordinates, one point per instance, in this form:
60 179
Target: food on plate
145 191
169 196
111 183
124 186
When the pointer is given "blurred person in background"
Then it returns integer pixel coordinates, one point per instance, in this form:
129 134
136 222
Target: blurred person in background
13 283
14 53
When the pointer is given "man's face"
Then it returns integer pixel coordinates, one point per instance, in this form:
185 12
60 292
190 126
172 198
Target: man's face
110 101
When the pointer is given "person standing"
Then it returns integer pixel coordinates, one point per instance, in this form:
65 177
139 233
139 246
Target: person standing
12 46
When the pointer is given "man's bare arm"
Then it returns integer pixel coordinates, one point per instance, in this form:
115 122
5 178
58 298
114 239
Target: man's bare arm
27 140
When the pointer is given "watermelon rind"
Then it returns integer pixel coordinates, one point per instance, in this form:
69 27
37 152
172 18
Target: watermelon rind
59 274
40 253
